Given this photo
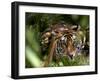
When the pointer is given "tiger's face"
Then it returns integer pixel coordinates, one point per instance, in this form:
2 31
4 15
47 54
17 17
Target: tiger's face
64 37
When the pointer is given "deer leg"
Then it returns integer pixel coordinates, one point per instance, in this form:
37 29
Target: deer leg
51 51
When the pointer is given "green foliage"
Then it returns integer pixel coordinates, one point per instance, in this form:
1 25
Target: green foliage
36 23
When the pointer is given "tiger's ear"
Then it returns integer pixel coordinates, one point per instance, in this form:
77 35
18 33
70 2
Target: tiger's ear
75 27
